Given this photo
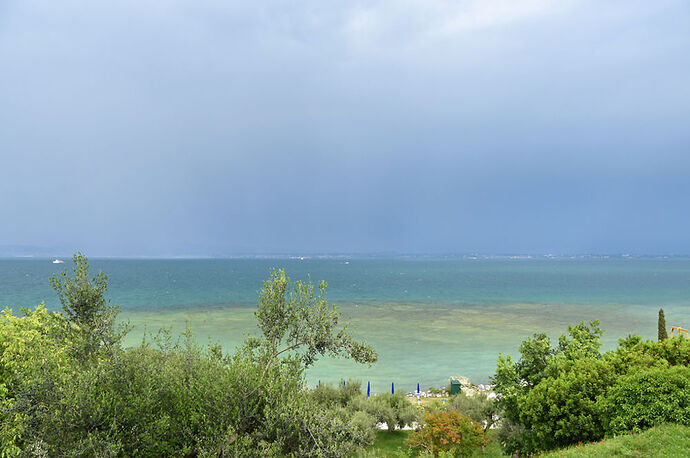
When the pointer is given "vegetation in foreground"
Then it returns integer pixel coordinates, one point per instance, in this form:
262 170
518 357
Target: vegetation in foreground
660 441
388 444
557 396
69 388
393 445
667 440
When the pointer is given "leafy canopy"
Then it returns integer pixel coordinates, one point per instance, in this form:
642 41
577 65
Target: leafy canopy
297 320
448 433
549 377
68 388
648 398
84 303
554 397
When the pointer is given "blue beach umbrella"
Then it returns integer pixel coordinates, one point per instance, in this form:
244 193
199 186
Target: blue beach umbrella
368 389
392 387
417 387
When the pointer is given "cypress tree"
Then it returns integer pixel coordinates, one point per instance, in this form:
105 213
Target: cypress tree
662 326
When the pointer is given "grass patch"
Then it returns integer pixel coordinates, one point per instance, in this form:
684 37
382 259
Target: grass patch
387 444
662 441
392 444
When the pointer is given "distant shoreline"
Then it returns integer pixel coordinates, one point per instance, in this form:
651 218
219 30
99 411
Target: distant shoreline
360 257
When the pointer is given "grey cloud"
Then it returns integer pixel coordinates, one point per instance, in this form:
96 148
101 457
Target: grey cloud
218 127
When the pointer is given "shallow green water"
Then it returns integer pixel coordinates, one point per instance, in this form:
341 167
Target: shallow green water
428 319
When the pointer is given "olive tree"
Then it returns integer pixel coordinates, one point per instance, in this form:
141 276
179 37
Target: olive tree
298 322
85 305
74 391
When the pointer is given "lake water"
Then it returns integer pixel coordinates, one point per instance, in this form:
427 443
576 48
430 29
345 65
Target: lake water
429 319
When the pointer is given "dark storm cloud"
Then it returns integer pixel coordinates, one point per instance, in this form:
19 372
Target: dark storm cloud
167 128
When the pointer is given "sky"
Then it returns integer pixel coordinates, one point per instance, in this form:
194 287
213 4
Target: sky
218 127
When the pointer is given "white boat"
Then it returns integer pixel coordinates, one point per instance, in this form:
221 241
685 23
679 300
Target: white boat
58 261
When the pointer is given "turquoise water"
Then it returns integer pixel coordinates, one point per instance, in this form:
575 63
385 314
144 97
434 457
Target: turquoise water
428 319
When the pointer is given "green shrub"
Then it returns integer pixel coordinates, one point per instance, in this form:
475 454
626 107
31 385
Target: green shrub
365 426
67 388
351 406
448 433
341 395
563 410
186 400
393 409
348 404
634 355
477 407
35 357
675 351
541 420
553 396
640 401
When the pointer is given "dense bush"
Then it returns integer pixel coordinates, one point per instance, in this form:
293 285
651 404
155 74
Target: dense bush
35 358
449 433
563 409
179 401
554 370
344 402
67 387
183 400
639 401
476 406
557 396
341 395
395 410
675 352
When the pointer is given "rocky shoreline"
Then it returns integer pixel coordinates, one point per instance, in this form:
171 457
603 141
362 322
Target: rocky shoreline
466 387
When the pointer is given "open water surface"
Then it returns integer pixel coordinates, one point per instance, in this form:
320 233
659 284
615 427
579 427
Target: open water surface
428 319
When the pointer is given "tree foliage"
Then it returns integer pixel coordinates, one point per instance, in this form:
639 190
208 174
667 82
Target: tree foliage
67 388
392 409
84 304
294 319
644 399
395 410
551 372
477 406
563 409
554 397
448 433
662 334
35 358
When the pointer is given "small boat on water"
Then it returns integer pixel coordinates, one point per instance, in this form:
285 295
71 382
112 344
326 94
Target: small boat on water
58 261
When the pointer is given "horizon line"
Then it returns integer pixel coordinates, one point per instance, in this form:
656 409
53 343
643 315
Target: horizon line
363 255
